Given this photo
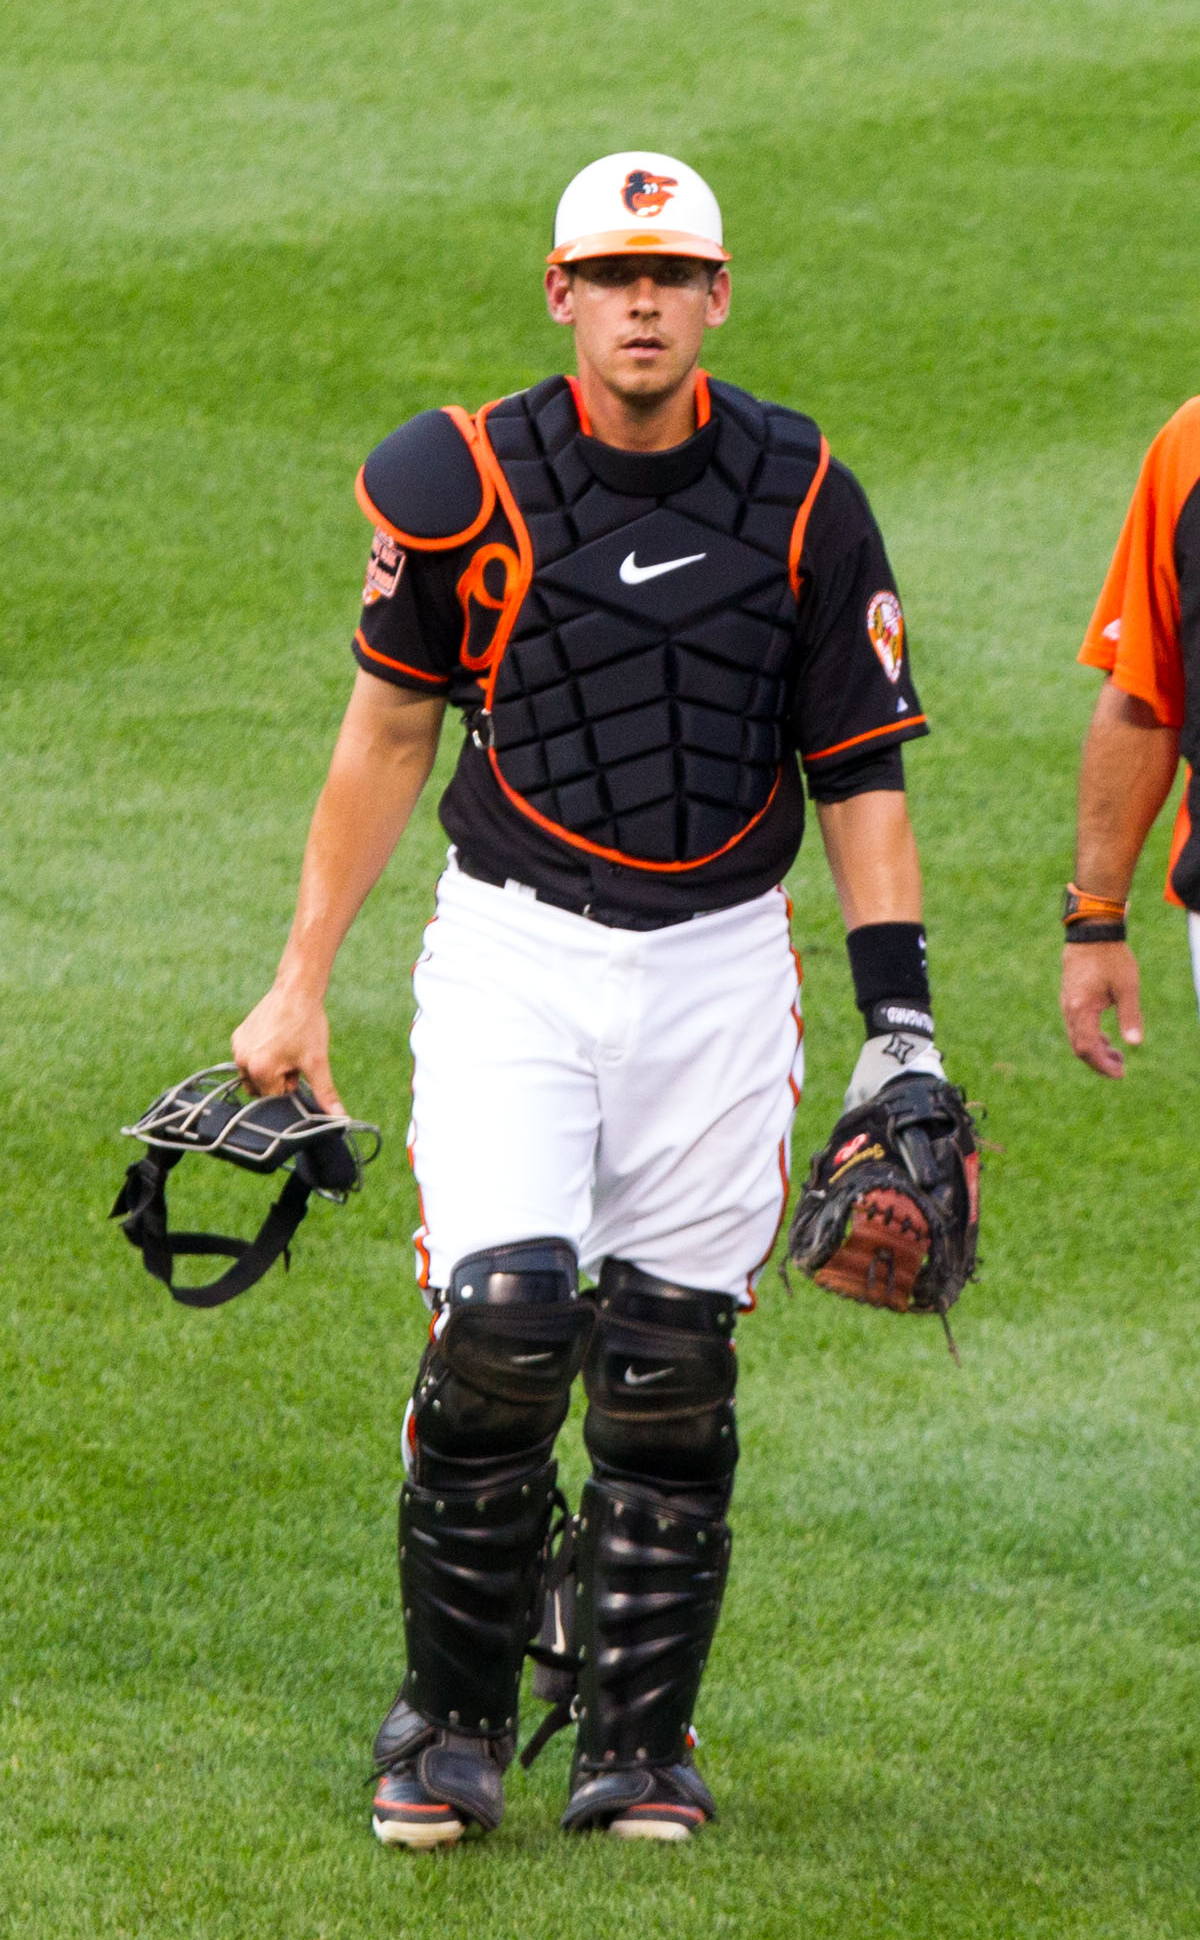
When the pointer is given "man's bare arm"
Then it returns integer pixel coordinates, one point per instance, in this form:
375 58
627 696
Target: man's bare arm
872 855
1129 762
380 764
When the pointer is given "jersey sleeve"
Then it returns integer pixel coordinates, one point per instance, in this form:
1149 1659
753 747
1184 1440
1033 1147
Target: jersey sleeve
408 632
854 694
877 768
1134 633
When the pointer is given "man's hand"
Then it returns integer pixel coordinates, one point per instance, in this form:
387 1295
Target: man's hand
286 1038
1097 977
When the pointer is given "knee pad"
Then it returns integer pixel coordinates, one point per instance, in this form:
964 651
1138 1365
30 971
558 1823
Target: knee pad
660 1376
507 1340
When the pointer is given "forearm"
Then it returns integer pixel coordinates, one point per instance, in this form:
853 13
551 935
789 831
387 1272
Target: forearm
1128 765
380 764
877 873
383 756
872 855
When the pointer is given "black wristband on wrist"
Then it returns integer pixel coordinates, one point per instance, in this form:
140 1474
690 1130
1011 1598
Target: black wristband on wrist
891 982
897 1014
1087 931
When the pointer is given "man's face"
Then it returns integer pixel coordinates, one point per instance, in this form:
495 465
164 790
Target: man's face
639 321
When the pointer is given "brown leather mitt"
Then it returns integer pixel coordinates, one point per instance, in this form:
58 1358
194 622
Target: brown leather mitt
890 1211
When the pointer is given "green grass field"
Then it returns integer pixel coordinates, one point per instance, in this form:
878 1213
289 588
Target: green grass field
956 1689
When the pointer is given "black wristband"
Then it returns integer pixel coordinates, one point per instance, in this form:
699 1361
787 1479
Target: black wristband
897 1014
887 963
1087 931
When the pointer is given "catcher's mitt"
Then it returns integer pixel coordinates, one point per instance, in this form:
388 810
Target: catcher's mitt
890 1212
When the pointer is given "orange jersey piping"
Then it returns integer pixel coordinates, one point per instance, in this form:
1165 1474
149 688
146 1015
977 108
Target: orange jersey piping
514 595
872 734
785 1169
796 543
581 410
618 855
401 666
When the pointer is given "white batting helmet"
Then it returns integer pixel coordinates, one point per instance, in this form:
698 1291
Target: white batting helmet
637 202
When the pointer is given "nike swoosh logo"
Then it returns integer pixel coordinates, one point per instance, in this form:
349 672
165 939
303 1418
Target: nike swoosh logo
532 1360
633 1380
632 574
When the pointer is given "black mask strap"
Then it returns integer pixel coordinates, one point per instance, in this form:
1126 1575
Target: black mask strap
142 1209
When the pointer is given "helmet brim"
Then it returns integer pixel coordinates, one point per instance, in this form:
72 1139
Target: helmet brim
639 242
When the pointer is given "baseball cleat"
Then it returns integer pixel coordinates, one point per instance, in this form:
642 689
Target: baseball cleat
666 1802
434 1783
662 1821
405 1814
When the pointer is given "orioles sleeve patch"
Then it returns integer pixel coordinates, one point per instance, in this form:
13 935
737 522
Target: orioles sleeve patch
885 630
383 568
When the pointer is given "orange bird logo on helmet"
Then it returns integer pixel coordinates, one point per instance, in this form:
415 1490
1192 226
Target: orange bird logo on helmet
647 195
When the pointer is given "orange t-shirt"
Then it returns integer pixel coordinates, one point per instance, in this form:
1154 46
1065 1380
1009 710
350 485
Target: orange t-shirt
1135 631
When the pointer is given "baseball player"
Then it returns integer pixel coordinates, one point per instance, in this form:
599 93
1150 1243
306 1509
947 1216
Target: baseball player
652 600
1145 635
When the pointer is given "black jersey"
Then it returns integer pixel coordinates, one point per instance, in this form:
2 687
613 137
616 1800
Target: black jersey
643 645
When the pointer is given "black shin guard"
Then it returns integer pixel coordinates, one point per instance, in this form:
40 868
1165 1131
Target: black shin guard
651 1578
653 1544
507 1340
652 1574
470 1571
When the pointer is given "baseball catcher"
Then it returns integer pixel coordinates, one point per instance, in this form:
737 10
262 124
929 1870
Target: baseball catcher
890 1211
660 609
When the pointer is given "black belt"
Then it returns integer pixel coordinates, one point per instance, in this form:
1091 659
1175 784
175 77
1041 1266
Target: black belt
614 919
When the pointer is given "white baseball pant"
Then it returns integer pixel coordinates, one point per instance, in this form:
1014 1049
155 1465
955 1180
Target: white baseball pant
629 1091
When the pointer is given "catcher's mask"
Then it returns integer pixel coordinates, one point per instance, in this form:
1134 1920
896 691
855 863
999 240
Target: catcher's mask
210 1112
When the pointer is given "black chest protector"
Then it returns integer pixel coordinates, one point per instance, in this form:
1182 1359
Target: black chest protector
633 630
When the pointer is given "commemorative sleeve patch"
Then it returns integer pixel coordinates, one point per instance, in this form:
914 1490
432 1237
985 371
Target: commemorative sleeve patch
885 630
383 568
